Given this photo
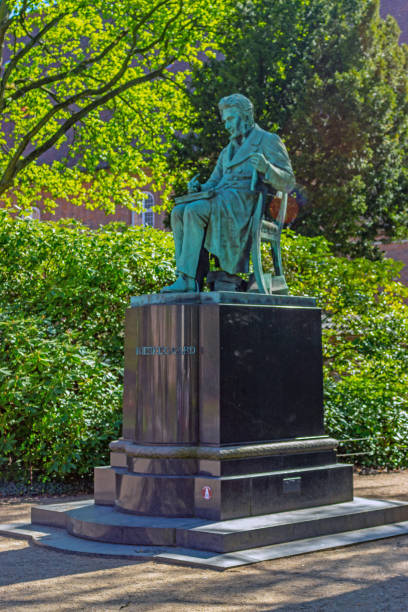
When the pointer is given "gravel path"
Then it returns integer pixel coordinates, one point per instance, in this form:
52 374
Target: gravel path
370 577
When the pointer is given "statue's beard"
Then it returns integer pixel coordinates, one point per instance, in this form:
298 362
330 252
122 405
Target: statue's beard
244 125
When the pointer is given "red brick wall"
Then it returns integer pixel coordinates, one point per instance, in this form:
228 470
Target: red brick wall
399 10
92 218
95 218
399 252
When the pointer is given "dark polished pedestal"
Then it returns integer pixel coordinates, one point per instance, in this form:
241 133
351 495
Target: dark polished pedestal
222 412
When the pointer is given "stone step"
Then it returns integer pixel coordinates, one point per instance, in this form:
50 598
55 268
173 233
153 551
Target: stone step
105 524
58 539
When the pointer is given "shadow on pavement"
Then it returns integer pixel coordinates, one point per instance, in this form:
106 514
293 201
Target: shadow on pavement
369 577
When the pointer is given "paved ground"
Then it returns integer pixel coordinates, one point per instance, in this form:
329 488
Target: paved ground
370 577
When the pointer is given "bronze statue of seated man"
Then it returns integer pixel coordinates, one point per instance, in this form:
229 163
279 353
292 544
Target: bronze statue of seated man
217 215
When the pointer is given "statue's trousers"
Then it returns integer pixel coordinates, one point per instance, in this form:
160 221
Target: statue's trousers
189 221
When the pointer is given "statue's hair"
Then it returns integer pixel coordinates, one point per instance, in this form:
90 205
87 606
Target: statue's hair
241 103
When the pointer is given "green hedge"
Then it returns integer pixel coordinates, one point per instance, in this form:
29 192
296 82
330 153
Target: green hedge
365 342
63 293
61 399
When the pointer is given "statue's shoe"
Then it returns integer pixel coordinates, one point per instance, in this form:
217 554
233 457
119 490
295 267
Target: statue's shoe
183 284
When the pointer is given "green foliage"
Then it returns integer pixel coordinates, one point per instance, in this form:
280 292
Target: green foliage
351 132
80 279
98 82
61 401
63 293
330 77
365 342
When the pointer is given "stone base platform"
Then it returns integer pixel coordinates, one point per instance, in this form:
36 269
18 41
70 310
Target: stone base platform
86 528
222 483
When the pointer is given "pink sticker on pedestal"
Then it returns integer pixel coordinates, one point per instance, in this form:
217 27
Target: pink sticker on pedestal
207 492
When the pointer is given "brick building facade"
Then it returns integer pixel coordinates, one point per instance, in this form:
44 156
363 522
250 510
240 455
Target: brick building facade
399 252
399 10
95 218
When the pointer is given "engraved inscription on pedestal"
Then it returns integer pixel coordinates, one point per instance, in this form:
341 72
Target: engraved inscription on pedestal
160 391
291 485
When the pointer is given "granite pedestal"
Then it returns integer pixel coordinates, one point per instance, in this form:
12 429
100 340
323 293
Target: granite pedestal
222 410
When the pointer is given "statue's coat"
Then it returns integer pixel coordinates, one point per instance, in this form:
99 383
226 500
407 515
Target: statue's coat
228 234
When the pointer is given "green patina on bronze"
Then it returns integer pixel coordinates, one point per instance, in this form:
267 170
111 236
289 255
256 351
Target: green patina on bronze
218 215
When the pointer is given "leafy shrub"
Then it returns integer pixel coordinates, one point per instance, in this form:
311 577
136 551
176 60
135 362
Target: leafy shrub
372 411
61 402
63 293
365 342
81 279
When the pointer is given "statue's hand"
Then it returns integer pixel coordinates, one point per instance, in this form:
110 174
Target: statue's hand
194 185
259 162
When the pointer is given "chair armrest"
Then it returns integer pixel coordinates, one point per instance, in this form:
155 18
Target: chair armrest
269 229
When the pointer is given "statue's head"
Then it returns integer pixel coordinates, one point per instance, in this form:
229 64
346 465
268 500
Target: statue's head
237 112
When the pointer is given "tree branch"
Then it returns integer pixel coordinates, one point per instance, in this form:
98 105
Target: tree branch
85 111
16 165
173 82
63 75
102 94
148 16
90 61
23 52
163 33
5 149
51 94
5 22
87 93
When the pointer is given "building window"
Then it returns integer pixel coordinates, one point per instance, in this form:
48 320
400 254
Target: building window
34 214
147 214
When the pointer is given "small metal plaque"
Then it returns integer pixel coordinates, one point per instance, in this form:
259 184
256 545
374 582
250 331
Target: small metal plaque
291 485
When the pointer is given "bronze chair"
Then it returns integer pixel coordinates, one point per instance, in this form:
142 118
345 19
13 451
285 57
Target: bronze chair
267 228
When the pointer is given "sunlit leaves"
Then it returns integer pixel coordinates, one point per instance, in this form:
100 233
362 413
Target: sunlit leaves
91 51
63 293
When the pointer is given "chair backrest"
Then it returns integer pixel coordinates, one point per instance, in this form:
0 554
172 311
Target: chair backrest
280 219
266 228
